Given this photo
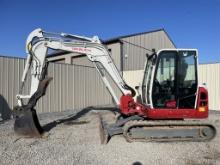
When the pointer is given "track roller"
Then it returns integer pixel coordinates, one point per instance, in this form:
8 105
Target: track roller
166 131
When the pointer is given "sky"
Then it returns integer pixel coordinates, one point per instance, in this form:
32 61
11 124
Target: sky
189 23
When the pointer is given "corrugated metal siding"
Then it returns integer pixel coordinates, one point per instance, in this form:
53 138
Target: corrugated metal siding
116 53
10 72
208 74
72 87
89 89
136 55
61 61
81 60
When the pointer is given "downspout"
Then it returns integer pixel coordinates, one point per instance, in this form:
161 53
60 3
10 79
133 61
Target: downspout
121 56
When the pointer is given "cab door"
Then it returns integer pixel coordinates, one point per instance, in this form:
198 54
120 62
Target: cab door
164 89
187 84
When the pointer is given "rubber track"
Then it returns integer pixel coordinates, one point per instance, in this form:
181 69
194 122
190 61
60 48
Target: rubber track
168 124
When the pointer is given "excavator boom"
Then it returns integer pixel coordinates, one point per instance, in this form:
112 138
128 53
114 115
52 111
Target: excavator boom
37 45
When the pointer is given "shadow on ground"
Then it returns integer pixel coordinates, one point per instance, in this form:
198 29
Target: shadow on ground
137 163
76 116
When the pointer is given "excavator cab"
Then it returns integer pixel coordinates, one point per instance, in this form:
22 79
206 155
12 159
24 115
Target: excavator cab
170 94
171 83
170 79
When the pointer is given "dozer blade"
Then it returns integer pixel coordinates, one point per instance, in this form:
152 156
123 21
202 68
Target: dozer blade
104 135
27 123
107 130
26 120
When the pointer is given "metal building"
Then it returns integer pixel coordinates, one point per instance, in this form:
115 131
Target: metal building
128 52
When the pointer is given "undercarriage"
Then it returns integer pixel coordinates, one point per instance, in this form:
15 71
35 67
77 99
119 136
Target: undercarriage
136 128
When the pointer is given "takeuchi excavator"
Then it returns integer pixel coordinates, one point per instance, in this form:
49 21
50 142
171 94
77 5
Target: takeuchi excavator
171 103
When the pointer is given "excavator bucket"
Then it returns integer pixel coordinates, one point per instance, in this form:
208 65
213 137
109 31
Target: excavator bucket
27 123
26 120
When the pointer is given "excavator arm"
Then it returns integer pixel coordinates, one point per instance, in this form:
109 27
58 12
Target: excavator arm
37 45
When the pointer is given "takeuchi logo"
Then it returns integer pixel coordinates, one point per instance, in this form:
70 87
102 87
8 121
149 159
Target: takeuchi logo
83 50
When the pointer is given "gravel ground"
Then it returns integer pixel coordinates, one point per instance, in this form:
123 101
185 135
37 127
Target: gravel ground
77 142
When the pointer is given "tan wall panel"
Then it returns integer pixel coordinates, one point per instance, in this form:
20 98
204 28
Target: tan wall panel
133 78
208 74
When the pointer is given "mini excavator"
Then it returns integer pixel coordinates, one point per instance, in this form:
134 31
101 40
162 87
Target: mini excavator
171 103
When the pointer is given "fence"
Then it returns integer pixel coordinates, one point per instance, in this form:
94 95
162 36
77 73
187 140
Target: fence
72 87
